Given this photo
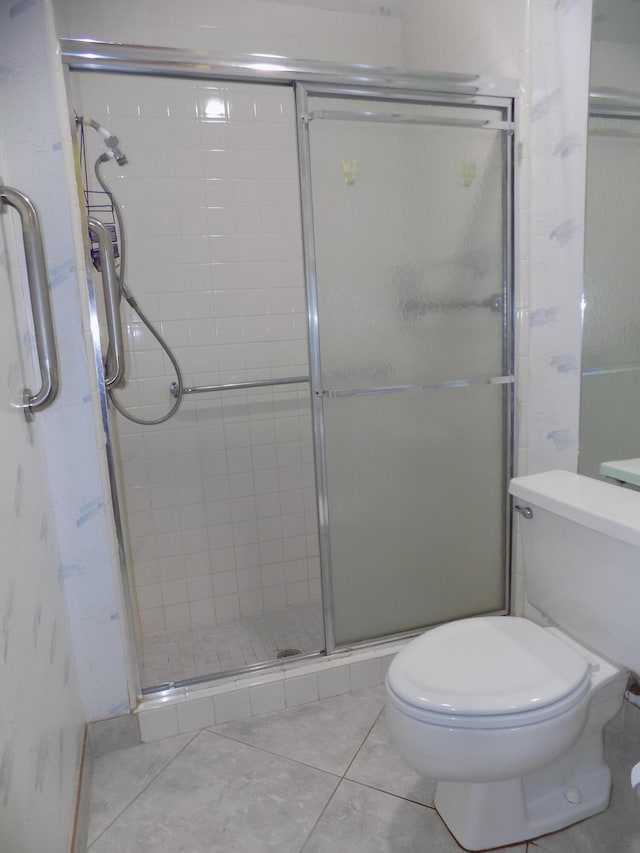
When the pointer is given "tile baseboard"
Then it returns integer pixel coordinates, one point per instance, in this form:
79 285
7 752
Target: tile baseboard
194 708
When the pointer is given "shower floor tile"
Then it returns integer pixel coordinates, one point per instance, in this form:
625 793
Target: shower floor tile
207 649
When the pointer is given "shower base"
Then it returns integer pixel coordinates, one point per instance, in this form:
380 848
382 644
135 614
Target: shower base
209 649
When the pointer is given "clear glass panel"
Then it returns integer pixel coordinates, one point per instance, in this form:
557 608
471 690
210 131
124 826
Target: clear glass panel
408 227
219 500
408 222
609 408
416 502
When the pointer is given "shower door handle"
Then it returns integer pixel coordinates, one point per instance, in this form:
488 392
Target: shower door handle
114 371
40 302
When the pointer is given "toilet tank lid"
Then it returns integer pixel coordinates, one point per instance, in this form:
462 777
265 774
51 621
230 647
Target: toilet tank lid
601 506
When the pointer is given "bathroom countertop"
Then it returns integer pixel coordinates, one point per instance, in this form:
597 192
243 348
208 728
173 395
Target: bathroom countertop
625 470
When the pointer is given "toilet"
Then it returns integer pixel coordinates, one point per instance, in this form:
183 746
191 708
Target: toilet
507 713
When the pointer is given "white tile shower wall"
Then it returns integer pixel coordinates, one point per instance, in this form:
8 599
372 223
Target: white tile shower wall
41 714
220 499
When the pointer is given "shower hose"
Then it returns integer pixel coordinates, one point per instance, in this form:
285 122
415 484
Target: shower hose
133 304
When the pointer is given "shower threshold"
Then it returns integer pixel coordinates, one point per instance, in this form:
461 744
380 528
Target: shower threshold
211 651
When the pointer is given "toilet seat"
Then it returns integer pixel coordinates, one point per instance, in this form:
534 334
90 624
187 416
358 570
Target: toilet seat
487 672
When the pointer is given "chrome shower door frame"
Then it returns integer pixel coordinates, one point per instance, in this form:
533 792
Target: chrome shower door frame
318 393
308 78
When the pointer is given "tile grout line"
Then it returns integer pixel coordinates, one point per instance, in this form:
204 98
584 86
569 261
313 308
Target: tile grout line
271 752
320 816
390 794
374 787
340 781
344 778
357 752
139 794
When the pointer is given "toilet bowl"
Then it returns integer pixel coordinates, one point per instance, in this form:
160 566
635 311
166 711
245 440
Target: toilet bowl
507 716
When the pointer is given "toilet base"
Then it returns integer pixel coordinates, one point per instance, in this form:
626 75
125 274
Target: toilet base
482 815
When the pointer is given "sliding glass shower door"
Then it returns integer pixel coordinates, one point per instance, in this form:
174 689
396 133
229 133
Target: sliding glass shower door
407 245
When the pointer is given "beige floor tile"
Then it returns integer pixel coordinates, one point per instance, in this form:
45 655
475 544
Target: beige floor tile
219 796
325 734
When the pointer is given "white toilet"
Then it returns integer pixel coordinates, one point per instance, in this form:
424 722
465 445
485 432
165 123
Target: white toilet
506 715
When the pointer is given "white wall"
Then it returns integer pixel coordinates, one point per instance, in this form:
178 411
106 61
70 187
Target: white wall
38 151
484 37
362 33
41 713
560 39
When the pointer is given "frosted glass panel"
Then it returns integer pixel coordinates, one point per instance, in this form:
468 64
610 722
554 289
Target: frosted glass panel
408 227
416 502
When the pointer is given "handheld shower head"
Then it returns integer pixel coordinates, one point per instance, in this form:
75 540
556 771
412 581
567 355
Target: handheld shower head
110 140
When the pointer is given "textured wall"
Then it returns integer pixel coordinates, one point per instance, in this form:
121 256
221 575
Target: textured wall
37 147
560 39
41 717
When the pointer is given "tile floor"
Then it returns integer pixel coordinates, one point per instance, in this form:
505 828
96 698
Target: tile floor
316 778
192 652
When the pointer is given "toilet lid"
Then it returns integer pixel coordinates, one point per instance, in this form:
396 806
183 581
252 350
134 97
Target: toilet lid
489 665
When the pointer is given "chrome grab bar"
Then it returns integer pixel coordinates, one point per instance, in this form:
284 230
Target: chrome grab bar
114 369
40 302
235 386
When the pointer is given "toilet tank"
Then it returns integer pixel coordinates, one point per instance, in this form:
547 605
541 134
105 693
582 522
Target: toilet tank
581 559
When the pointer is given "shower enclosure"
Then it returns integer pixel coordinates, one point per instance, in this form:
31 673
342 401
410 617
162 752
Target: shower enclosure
328 255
